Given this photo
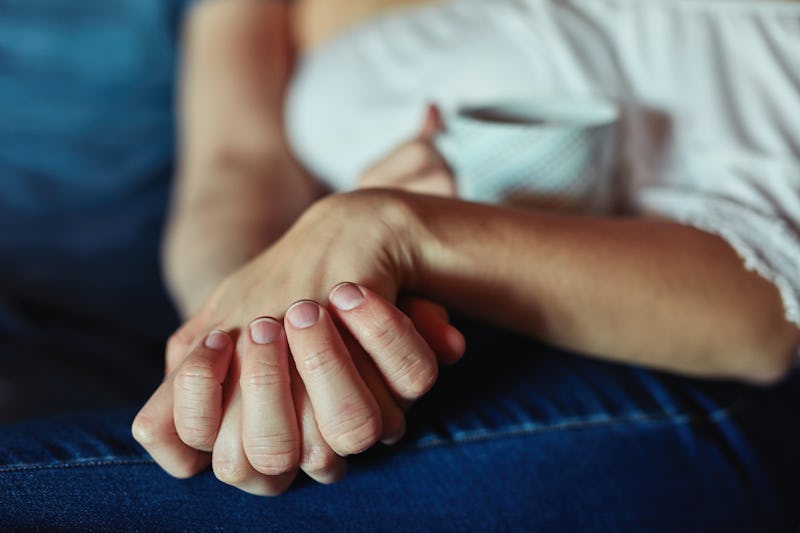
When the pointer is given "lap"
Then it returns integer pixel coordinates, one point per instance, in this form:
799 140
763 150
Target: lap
517 436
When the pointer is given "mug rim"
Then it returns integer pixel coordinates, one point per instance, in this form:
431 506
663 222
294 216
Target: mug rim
556 112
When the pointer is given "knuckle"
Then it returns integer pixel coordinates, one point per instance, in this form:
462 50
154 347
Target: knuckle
184 470
353 430
318 459
273 465
187 466
196 419
272 489
263 374
385 333
197 430
414 375
321 361
272 455
195 379
321 463
272 486
229 470
144 430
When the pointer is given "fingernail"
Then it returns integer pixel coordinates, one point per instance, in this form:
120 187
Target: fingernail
346 296
217 340
303 314
265 330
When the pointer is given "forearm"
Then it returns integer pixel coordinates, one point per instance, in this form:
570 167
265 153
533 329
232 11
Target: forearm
638 290
239 188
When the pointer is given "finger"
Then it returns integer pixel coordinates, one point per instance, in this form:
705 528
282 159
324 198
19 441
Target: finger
180 343
431 321
346 411
270 433
197 391
154 429
408 303
317 459
230 462
393 420
408 160
405 360
436 182
432 124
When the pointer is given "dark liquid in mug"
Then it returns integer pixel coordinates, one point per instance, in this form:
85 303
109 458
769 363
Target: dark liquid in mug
503 117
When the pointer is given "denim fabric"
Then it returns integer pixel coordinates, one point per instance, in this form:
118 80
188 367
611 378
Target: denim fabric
517 437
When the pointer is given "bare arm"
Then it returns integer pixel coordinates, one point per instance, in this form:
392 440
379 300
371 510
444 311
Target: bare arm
238 186
636 290
239 191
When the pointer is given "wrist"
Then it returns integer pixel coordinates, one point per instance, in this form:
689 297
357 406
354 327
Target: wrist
384 221
432 246
191 273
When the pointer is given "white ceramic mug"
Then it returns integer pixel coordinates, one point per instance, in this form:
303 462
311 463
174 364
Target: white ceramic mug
553 152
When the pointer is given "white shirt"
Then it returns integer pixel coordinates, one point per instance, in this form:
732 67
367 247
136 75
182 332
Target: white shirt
709 92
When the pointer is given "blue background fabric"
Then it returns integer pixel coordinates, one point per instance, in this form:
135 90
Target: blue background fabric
518 436
86 151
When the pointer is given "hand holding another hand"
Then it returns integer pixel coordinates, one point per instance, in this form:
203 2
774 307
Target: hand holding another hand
329 382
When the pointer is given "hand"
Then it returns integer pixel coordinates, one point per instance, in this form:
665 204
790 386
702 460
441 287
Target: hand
416 166
260 416
155 428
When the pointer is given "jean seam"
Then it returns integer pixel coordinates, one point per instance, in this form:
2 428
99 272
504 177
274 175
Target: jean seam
642 418
75 464
711 417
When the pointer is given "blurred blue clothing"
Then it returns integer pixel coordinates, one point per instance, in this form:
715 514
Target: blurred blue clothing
86 151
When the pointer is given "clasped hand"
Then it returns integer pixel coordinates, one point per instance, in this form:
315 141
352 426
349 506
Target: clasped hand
321 373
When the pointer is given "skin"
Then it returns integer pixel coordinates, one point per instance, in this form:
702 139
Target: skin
237 192
731 321
318 21
577 282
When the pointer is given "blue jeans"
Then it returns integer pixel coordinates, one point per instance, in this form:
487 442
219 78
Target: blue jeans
517 436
